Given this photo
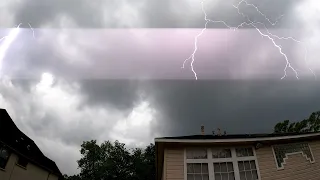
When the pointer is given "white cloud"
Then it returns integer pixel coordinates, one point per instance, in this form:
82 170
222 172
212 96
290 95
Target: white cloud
135 129
53 116
307 13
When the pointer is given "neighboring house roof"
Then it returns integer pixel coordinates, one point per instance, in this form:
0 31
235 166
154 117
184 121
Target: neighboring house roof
20 143
232 139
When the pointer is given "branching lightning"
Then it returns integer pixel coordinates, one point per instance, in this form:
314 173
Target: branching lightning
254 24
6 41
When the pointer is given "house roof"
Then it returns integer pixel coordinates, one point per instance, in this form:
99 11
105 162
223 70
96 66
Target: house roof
236 137
20 143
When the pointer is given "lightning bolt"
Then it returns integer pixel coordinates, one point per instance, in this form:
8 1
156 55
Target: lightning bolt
6 41
269 35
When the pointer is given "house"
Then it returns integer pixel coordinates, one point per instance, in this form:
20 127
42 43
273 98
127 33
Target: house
239 157
20 157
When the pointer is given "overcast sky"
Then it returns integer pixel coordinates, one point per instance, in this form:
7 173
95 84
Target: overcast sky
111 70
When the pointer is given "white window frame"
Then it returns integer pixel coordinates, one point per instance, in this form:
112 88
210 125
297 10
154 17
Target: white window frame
234 159
293 153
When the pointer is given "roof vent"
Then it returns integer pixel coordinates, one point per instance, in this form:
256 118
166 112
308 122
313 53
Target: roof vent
218 132
202 130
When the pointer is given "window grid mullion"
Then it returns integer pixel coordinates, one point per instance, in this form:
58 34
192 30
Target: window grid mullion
210 165
235 164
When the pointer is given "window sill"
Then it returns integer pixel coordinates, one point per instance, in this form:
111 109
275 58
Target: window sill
21 166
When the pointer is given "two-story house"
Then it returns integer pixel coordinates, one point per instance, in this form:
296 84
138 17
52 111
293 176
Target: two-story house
20 157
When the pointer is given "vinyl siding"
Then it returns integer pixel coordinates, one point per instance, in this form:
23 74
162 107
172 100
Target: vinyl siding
32 172
174 160
296 167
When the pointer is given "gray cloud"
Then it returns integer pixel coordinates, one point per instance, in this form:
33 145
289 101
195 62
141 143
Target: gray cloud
235 106
141 14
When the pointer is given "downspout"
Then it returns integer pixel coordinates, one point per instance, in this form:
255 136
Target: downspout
48 175
14 164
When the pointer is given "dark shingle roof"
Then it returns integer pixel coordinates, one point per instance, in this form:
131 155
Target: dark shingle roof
235 136
11 136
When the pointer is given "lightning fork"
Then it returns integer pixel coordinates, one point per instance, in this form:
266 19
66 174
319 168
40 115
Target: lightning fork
269 35
6 41
275 36
288 64
198 35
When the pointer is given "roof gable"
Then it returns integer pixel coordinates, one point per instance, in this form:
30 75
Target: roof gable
11 136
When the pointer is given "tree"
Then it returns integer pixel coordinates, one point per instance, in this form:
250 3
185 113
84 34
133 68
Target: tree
111 161
74 177
312 124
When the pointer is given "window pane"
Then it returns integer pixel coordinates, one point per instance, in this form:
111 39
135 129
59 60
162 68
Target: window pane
223 167
247 165
198 177
243 152
4 154
217 176
197 153
221 153
240 152
230 167
205 168
197 168
253 165
224 176
255 175
216 167
205 176
231 176
249 175
250 151
242 176
190 177
189 168
189 154
241 165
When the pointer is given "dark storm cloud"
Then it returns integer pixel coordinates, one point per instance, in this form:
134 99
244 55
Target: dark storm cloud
120 94
143 14
234 106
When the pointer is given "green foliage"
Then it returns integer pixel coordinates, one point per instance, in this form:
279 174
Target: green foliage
312 124
111 161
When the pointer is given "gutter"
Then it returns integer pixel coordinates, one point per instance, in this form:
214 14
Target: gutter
236 139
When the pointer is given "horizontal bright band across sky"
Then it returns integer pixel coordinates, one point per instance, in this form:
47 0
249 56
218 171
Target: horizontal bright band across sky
154 54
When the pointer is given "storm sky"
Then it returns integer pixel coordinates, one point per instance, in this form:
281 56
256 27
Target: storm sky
111 70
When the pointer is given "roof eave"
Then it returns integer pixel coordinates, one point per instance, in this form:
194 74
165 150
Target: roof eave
234 140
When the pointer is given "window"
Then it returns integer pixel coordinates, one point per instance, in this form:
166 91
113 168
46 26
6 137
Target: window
243 152
221 164
281 151
197 171
22 162
197 153
4 156
221 153
247 170
223 171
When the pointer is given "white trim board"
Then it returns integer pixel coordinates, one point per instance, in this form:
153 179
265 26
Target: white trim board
236 139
